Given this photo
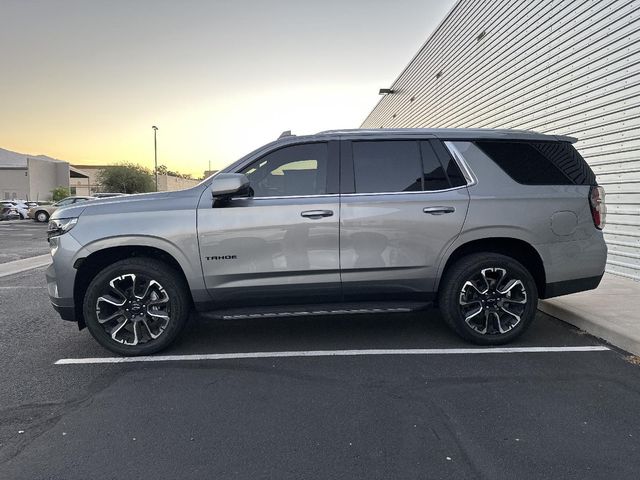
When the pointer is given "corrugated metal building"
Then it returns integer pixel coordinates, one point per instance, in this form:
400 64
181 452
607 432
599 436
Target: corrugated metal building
561 66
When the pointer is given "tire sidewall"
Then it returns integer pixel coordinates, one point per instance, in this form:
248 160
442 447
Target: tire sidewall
170 281
46 216
462 271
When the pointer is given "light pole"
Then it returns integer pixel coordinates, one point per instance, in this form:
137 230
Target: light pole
155 152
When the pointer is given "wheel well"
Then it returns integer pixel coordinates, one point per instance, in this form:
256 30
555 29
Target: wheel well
90 266
516 249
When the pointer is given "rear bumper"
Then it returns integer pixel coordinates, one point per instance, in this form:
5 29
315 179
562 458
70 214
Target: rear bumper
566 287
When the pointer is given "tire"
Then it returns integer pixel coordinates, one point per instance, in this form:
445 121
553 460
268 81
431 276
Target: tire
492 311
41 216
123 322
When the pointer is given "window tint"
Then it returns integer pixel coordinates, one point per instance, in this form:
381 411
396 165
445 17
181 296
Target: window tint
524 163
564 156
387 166
435 177
65 201
294 170
450 166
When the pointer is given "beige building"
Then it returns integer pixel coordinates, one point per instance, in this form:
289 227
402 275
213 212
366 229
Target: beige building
33 177
166 183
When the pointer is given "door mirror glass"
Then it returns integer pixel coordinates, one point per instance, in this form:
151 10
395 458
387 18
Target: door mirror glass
229 184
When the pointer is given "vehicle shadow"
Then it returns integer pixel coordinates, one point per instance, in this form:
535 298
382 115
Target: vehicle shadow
425 329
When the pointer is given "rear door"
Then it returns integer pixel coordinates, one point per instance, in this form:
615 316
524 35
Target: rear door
403 202
281 245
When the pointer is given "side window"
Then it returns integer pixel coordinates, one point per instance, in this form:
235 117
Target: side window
387 166
289 171
66 201
435 177
451 168
524 163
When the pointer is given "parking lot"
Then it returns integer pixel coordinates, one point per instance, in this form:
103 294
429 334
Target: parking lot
22 239
442 412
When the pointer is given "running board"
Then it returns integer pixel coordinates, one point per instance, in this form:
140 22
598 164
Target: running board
316 310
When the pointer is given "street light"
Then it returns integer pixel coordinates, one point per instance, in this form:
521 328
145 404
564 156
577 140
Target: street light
155 152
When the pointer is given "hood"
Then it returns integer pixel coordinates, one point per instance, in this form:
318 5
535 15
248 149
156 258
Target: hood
141 202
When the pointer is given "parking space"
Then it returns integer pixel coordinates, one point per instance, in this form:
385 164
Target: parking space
22 239
403 414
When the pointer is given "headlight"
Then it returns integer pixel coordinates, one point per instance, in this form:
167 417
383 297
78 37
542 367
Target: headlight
60 225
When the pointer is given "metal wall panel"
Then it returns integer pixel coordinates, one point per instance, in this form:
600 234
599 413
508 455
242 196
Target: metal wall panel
560 66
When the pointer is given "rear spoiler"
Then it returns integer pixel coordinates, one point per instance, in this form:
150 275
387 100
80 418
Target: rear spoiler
565 138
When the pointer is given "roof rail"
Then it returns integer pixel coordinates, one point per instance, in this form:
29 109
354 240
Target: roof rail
286 133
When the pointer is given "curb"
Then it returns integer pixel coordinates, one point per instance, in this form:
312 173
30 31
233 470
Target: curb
614 334
17 266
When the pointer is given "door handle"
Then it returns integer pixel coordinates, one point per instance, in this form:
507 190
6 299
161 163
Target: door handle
316 214
438 210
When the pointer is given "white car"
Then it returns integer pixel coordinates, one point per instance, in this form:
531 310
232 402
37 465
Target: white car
21 207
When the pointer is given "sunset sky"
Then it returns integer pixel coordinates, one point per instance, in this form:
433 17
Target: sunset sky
84 81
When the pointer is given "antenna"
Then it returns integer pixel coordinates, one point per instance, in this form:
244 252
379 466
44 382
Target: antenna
286 133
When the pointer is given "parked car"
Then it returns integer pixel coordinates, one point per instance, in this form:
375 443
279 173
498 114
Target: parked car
41 213
21 207
481 223
8 211
108 195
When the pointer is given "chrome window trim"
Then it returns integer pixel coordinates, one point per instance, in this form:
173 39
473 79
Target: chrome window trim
281 197
459 159
419 192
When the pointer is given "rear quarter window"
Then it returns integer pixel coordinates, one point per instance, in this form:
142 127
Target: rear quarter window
539 163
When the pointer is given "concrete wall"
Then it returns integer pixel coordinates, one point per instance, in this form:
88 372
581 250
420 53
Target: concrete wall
44 176
167 183
563 67
14 183
79 186
92 171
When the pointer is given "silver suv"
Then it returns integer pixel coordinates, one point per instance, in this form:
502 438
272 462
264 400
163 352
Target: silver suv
481 223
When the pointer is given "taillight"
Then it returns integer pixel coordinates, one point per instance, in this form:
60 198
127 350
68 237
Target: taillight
598 207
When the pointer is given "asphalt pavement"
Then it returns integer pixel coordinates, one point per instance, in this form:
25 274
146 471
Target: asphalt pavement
22 239
527 415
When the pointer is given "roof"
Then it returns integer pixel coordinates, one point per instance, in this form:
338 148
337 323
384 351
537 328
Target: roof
77 173
9 159
451 133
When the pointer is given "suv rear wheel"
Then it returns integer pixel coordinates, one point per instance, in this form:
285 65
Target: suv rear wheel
488 298
136 306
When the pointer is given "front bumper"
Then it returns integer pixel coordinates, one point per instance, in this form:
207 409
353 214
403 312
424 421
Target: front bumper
61 275
63 305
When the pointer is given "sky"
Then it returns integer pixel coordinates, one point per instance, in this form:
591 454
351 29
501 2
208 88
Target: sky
84 81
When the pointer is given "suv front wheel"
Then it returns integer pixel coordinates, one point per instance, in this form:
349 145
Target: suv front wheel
136 306
488 298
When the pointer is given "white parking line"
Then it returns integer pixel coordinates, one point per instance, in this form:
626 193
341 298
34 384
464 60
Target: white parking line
328 353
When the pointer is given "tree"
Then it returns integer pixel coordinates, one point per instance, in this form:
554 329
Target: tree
126 178
59 193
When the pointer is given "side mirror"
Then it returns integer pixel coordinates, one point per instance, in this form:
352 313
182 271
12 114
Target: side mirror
229 184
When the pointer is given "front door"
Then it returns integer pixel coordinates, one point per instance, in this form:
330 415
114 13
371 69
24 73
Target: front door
281 245
403 203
